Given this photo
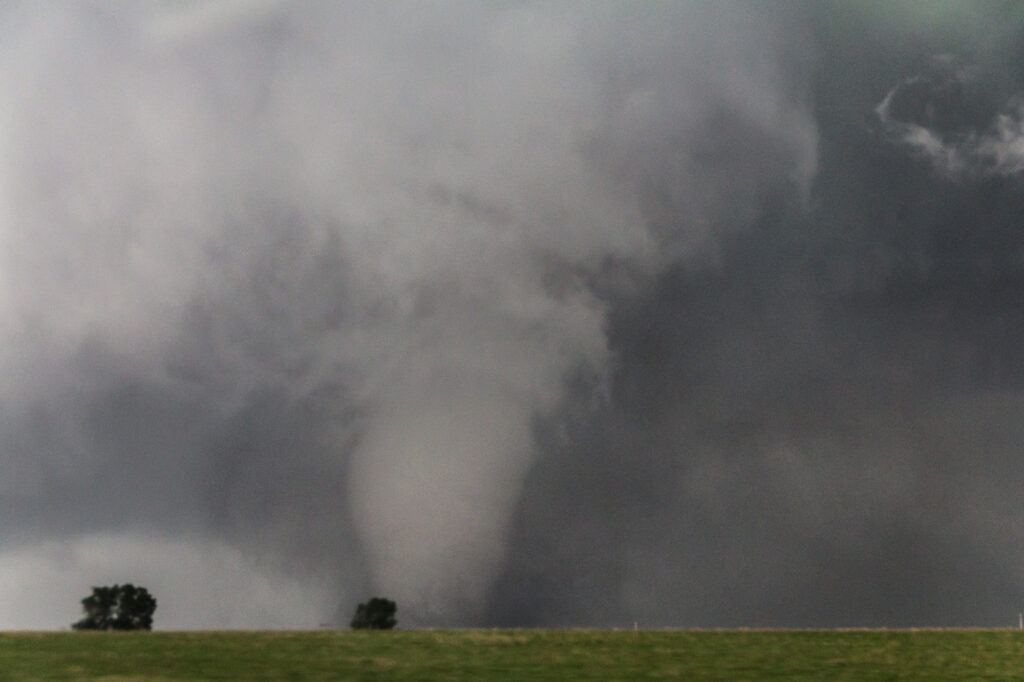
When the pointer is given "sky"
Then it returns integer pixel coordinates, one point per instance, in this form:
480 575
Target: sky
689 313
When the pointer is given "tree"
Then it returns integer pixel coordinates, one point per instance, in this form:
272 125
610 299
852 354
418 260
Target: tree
121 607
376 614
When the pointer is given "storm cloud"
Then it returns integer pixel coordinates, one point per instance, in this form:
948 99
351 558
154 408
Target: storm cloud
520 313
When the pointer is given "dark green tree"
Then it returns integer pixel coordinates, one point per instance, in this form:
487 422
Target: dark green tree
120 607
376 614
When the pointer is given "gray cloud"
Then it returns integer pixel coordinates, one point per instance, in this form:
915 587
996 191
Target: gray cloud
818 429
302 278
515 313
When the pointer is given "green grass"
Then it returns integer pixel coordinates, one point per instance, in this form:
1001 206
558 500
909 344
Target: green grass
516 655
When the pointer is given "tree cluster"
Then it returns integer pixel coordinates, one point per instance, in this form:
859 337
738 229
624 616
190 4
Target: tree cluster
127 607
120 607
376 614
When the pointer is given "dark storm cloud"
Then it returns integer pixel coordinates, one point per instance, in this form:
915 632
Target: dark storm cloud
823 428
522 313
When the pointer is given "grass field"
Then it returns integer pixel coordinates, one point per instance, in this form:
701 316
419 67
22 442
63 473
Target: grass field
516 655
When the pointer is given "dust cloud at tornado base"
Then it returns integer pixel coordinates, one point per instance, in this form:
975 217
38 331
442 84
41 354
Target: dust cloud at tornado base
519 314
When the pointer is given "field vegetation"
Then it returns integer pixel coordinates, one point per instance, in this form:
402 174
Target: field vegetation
515 655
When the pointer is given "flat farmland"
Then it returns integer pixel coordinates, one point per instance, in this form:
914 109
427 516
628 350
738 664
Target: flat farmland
516 655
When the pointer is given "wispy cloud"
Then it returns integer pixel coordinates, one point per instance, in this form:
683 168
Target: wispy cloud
997 149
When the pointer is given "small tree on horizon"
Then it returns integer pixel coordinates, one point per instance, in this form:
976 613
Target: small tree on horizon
376 614
120 607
